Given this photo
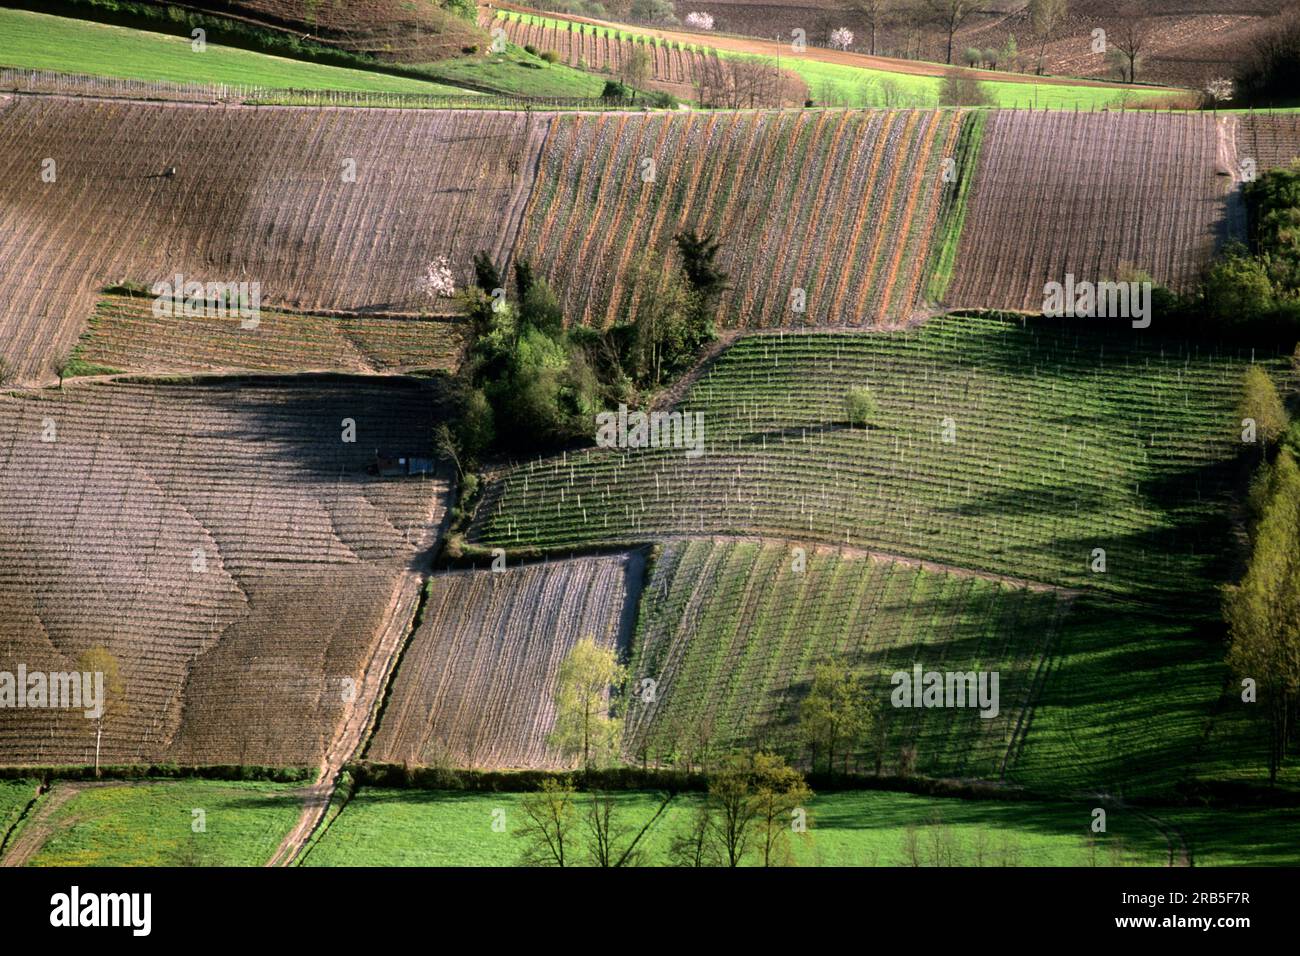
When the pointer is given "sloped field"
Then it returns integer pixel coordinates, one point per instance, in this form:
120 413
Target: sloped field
1091 692
675 67
730 633
222 542
1271 139
150 823
125 334
841 205
476 684
258 195
1063 440
388 29
1088 194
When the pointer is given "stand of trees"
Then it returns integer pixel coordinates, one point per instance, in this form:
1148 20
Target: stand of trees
532 381
1263 609
1267 76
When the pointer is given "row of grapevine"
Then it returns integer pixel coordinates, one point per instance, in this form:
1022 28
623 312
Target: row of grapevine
826 217
1094 195
1012 448
124 333
476 685
681 69
1270 139
325 209
224 542
731 630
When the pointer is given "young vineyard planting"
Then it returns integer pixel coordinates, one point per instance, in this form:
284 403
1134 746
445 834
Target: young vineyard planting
124 333
730 632
831 211
1018 449
476 685
327 209
1270 139
1089 194
221 545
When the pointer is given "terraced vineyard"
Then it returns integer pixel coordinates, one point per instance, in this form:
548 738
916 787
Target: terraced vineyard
125 334
1065 439
1089 194
476 685
376 196
223 542
730 633
841 205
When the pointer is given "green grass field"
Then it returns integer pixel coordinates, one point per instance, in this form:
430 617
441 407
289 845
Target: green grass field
517 72
14 797
150 824
40 42
859 828
834 84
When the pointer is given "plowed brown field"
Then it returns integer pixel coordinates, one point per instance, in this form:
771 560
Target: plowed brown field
222 542
476 684
1088 194
388 29
125 334
258 194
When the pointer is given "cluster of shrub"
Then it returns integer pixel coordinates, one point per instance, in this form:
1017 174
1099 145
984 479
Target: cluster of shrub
1251 293
165 771
534 381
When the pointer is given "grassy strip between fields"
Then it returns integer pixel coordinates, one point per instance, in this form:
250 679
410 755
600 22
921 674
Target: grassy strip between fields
15 795
38 41
516 72
228 823
852 828
954 208
836 84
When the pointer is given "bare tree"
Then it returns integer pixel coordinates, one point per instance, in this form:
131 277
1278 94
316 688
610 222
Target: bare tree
1129 44
548 825
739 83
950 15
611 841
874 12
636 67
1045 17
694 846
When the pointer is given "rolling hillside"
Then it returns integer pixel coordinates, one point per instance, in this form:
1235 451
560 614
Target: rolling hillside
477 682
840 205
1009 448
326 209
223 543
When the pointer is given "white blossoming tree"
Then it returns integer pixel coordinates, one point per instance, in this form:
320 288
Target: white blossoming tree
697 20
438 282
841 38
1219 89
